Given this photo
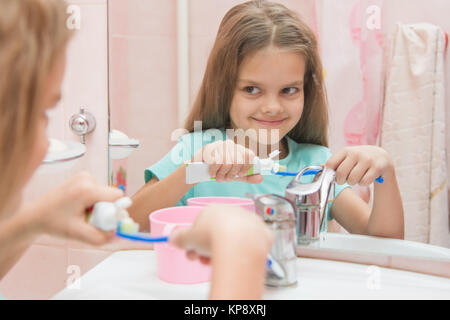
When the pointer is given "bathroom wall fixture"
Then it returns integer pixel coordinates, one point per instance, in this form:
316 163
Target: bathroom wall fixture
120 145
82 123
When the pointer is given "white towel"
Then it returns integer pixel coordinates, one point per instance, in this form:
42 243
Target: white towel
413 130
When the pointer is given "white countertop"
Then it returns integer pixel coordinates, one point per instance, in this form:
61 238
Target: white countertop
132 275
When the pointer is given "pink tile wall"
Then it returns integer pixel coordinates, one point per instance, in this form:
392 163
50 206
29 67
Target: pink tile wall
39 274
143 80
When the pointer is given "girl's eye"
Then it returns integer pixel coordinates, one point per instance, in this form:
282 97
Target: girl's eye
251 90
290 91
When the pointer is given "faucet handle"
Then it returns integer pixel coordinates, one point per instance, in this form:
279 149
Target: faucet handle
274 209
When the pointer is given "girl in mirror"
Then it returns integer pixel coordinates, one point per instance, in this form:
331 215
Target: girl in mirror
263 90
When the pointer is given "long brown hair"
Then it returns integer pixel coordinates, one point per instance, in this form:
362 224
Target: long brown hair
32 34
249 27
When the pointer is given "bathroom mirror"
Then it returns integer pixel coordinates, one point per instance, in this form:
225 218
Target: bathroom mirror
157 56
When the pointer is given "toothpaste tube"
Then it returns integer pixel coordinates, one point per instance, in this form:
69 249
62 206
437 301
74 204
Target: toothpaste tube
108 215
197 172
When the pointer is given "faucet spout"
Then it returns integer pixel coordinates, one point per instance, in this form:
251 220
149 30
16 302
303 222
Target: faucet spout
311 201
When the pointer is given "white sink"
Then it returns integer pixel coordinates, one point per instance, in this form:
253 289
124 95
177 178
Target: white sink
133 275
383 246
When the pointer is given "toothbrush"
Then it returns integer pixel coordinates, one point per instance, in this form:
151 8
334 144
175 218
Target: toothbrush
310 172
122 232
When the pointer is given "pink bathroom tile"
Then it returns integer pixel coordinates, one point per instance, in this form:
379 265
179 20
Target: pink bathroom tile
151 81
39 274
210 13
200 47
118 13
86 84
47 240
85 259
144 99
428 266
153 78
119 83
45 179
303 8
205 16
116 244
337 255
143 17
119 244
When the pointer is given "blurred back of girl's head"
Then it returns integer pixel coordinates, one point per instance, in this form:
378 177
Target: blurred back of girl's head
249 27
32 35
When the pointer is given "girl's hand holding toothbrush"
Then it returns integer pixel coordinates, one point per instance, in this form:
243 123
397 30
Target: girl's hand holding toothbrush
236 243
360 165
228 161
217 227
62 212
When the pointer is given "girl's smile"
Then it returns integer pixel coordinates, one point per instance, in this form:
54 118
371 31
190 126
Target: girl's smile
268 122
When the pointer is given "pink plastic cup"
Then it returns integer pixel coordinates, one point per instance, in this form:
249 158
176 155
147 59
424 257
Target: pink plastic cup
232 201
173 265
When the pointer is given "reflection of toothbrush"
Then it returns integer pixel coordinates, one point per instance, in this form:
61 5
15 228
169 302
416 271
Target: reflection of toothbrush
274 268
308 173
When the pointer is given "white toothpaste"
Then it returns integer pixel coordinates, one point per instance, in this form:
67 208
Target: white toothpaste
107 215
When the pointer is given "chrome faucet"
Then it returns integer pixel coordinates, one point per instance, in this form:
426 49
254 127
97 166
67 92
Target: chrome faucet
296 219
310 201
279 215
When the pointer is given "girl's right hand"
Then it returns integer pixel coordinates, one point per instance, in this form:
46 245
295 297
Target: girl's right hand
228 161
62 212
235 242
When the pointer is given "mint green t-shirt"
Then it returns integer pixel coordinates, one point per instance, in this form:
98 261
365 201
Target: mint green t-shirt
299 157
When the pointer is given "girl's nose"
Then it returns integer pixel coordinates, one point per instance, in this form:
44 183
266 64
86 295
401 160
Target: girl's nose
272 106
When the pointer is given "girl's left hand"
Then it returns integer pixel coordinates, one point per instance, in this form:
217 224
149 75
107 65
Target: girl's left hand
360 165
